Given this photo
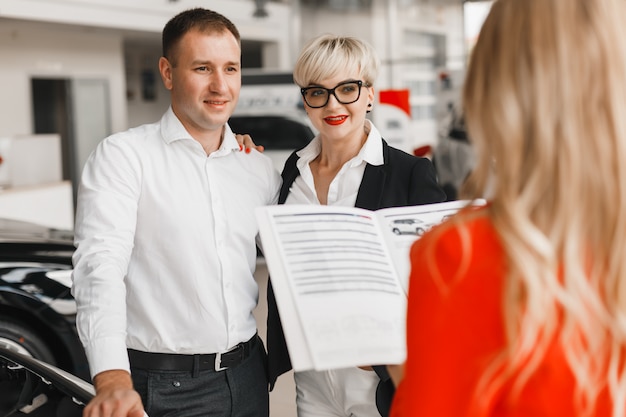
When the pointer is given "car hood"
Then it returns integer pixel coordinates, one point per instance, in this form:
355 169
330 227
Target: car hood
28 242
16 230
36 261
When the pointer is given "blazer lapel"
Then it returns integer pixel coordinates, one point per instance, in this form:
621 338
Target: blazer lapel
289 174
372 186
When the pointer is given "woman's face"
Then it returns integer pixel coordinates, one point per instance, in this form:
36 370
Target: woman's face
335 120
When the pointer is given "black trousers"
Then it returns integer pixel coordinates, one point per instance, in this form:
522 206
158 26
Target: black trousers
241 391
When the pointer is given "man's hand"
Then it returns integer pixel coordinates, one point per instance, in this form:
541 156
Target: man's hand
245 142
115 396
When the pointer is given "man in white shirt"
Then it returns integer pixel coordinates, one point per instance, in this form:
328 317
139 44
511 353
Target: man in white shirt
165 237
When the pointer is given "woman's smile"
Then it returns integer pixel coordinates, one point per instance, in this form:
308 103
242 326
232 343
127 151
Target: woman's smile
335 120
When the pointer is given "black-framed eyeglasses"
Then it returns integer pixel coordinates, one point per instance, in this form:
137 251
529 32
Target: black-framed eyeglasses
346 92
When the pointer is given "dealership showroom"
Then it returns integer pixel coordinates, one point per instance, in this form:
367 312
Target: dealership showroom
74 72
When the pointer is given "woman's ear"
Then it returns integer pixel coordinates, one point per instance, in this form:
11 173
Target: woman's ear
371 95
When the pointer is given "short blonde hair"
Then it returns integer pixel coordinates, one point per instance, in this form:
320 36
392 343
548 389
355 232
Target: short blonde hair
327 55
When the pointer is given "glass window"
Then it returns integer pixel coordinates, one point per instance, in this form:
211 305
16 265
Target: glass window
422 87
418 64
422 112
423 39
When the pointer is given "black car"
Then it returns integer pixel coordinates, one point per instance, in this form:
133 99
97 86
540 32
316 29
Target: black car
37 311
32 387
280 133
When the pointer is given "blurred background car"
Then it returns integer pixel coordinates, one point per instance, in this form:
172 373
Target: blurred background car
37 310
279 133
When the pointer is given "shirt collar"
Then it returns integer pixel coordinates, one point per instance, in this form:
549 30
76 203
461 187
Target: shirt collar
371 152
229 143
172 130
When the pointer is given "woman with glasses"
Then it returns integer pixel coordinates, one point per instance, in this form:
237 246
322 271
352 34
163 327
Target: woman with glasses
347 164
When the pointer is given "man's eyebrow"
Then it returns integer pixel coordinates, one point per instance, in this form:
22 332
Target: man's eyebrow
207 62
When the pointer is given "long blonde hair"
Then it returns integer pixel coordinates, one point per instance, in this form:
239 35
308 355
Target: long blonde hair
545 106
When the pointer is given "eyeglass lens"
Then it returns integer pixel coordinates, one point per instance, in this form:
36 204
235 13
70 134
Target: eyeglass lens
345 93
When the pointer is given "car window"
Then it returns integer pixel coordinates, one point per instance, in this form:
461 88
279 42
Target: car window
273 132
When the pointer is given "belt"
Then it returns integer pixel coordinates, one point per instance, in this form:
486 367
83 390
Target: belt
192 363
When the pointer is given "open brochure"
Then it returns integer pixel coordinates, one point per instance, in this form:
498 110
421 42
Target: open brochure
340 277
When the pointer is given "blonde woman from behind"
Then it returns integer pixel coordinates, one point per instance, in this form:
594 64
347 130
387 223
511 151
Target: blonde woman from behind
519 308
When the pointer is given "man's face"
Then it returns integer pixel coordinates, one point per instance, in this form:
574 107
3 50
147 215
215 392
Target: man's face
204 78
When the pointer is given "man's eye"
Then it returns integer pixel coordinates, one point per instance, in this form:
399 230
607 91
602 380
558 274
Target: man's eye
232 69
202 69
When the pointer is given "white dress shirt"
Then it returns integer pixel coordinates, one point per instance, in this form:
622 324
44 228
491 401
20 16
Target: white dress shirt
344 187
165 239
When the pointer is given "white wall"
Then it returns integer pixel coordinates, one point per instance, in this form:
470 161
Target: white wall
85 38
52 51
150 16
141 58
48 205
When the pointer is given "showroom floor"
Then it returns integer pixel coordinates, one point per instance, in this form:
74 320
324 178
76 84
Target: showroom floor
282 398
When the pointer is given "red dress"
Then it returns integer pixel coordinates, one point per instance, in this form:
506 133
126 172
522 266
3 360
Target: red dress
455 328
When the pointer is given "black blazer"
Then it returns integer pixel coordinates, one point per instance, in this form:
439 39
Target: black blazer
402 180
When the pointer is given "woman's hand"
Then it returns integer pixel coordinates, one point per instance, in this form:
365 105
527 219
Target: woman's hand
396 372
245 142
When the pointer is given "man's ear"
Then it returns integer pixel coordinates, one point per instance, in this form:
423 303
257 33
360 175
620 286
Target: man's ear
165 68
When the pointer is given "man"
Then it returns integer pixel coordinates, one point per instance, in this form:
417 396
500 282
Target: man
165 237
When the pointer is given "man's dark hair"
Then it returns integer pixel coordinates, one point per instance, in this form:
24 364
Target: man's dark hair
204 20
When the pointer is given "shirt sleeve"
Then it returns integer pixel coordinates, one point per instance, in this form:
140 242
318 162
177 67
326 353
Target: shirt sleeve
104 234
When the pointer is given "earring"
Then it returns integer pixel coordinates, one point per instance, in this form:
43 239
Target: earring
369 107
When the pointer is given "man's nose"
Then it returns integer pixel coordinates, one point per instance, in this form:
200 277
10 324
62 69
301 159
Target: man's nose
218 82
